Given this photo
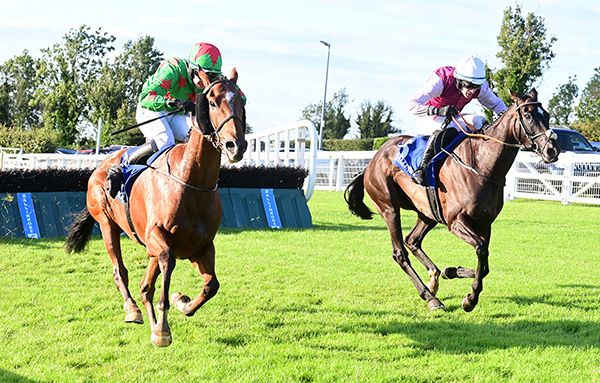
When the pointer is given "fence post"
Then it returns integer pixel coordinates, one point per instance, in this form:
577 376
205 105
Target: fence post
339 182
330 184
567 183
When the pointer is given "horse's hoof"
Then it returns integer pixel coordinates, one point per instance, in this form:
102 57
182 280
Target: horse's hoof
449 273
134 317
435 304
161 340
467 305
180 301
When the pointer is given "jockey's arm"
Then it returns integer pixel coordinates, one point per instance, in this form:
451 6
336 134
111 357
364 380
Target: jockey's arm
153 96
432 88
490 101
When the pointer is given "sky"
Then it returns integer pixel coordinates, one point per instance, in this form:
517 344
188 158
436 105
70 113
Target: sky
380 50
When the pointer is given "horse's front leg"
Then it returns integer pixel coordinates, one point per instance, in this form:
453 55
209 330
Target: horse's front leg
147 289
481 242
158 246
204 262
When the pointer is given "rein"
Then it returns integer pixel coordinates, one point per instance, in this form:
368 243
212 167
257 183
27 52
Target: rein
480 135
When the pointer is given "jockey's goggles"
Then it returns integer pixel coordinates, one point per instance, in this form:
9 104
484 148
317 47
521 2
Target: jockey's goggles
468 85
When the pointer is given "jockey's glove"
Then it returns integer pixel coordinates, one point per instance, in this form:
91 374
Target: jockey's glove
447 111
186 106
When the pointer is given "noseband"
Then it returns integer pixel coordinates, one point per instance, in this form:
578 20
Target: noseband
214 137
532 136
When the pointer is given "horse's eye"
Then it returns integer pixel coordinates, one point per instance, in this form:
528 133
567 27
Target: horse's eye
212 104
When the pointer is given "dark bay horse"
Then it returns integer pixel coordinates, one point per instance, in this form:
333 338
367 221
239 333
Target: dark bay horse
175 209
470 190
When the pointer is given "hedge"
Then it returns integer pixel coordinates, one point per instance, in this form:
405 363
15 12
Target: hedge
31 141
62 180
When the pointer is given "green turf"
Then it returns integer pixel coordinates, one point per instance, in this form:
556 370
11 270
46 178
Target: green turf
325 305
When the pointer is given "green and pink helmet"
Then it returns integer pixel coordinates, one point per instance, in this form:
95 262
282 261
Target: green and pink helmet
205 56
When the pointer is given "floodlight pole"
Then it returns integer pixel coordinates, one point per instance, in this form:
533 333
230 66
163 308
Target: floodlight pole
328 45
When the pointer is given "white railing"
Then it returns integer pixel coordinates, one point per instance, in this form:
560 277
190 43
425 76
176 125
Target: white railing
285 146
573 178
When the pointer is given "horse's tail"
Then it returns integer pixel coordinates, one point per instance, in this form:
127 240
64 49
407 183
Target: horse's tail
354 195
80 232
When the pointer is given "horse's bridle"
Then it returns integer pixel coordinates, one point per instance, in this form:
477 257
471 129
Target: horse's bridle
214 137
530 135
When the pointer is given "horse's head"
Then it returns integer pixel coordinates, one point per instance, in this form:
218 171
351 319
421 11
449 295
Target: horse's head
532 126
221 115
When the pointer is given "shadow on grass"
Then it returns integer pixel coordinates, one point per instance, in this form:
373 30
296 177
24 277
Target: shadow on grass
7 376
456 337
344 227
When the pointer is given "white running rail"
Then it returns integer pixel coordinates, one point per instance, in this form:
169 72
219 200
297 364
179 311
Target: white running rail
285 146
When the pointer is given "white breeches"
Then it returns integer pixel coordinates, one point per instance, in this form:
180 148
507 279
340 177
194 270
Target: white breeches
428 124
165 131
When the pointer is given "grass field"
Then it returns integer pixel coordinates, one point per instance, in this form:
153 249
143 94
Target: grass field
322 305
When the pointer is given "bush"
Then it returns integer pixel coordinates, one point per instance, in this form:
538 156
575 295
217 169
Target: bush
32 141
379 141
348 145
590 129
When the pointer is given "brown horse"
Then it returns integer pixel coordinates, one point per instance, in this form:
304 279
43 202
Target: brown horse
175 209
470 191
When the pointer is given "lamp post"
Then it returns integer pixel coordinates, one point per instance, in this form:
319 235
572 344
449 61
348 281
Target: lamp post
324 97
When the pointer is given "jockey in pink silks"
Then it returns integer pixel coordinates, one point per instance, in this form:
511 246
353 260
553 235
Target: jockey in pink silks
448 90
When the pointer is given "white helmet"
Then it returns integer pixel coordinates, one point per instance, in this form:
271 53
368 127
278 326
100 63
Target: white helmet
470 69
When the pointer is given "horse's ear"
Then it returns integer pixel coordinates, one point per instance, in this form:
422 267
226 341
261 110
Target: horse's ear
233 76
204 78
533 94
516 97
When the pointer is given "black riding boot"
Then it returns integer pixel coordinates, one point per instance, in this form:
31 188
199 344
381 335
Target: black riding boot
114 175
419 174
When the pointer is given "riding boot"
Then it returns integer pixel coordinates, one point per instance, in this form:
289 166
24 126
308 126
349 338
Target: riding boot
114 175
418 175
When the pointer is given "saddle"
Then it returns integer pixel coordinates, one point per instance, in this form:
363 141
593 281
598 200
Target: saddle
409 157
132 172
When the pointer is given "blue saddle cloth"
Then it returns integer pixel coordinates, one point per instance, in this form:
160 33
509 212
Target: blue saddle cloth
132 172
411 152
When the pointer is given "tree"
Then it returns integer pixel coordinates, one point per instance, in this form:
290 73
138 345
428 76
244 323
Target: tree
336 123
588 109
560 105
17 85
525 52
65 74
114 94
375 120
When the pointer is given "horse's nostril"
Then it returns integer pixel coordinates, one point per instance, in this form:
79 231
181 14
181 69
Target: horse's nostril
230 145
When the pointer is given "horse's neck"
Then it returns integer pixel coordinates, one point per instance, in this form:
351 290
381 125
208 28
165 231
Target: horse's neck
494 158
200 163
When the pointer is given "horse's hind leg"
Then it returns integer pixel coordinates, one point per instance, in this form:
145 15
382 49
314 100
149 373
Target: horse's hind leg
112 242
204 262
413 242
